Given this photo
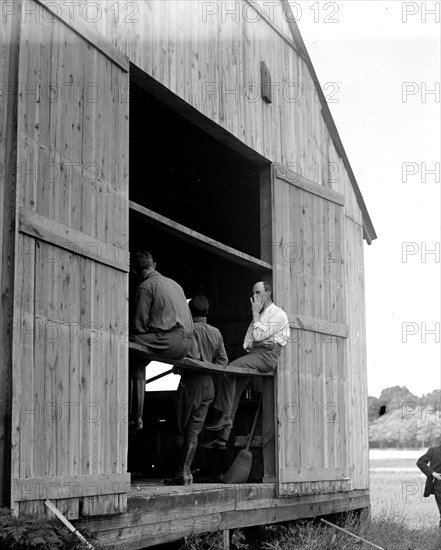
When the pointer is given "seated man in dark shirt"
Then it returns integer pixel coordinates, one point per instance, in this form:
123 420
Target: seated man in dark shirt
162 322
196 389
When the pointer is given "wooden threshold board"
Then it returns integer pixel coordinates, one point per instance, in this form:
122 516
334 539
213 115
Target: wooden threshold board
200 240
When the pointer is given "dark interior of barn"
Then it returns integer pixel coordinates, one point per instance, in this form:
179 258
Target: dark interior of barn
181 172
178 170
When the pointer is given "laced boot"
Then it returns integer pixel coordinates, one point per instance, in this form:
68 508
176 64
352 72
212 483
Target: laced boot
190 449
183 476
177 479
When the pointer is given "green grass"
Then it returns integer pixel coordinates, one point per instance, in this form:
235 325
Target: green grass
401 519
402 491
389 530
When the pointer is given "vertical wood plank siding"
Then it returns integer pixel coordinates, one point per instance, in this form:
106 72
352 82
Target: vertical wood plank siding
312 377
212 61
9 40
224 45
210 57
70 349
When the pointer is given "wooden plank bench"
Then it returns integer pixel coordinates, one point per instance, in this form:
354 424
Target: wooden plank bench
138 350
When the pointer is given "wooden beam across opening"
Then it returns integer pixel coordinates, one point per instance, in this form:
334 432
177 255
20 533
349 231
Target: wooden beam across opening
200 240
192 364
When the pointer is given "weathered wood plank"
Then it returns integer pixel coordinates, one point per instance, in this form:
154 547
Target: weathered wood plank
248 518
9 30
268 438
226 539
60 11
310 186
87 273
193 364
151 504
72 307
159 504
70 239
63 487
27 413
314 474
270 20
73 378
354 354
268 389
141 41
62 284
308 378
137 529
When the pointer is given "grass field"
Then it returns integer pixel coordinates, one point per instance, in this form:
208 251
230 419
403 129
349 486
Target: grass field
401 518
397 487
397 483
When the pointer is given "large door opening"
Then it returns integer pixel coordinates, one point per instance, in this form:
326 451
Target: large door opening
201 208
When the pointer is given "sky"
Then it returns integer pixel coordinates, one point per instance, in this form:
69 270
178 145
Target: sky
384 57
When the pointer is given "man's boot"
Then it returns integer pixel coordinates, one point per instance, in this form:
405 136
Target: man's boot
223 422
191 451
183 474
137 404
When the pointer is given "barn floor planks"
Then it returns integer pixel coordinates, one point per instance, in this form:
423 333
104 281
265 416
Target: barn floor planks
157 514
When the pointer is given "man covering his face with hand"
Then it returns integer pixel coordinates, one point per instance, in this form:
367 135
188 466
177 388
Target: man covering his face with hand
264 340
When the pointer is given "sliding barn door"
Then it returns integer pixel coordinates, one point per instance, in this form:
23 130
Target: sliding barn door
311 377
69 434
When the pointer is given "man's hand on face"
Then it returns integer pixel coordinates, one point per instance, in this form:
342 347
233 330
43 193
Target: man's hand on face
256 305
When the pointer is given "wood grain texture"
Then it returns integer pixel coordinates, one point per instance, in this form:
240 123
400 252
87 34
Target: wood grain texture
193 364
203 508
81 140
186 62
304 322
9 44
77 242
310 186
194 237
66 487
311 377
70 348
78 24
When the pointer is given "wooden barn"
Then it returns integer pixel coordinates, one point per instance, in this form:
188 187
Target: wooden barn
197 130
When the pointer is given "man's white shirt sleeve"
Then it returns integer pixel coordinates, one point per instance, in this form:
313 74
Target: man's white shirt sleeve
272 326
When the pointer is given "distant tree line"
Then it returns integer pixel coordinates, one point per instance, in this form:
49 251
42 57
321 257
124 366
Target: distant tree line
400 419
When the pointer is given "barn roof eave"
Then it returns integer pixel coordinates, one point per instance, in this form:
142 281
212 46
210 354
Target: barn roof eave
369 233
